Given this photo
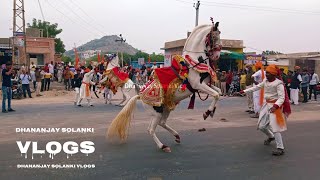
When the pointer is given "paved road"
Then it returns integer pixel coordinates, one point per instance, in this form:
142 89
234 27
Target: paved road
225 153
218 153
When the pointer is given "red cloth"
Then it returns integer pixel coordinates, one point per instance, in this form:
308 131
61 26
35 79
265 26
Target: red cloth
166 75
229 78
46 69
121 75
286 104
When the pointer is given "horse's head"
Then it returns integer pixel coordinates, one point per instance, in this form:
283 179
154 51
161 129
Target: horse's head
213 43
204 43
112 59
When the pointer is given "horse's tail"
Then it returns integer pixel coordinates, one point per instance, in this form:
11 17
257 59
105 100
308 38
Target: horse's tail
119 127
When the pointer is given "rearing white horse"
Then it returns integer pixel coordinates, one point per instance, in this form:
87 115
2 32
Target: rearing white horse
201 49
118 79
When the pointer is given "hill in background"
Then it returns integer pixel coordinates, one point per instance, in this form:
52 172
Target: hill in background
105 44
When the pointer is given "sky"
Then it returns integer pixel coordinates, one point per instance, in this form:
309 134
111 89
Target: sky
286 26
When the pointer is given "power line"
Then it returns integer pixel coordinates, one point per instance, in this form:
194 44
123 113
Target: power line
43 17
86 14
258 8
261 7
84 27
41 10
76 14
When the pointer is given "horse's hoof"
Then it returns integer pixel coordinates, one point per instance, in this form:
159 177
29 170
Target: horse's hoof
166 149
212 112
177 139
205 116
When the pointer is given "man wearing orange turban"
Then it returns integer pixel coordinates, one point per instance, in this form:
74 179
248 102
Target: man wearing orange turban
85 86
258 77
275 110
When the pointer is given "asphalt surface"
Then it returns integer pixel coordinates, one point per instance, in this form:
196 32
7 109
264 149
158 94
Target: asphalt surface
218 153
225 153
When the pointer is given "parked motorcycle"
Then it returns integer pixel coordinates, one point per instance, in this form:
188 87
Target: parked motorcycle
16 90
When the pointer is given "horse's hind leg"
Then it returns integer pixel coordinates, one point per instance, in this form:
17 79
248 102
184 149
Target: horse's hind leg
163 123
152 128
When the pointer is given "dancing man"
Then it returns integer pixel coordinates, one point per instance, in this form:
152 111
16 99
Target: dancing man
273 113
85 87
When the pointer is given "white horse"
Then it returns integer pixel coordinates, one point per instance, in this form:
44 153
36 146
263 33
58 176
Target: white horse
125 86
202 47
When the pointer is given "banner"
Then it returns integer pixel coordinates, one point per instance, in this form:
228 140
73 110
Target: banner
19 41
167 60
141 61
252 59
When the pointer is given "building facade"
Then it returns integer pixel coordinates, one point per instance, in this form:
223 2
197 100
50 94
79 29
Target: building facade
40 50
307 60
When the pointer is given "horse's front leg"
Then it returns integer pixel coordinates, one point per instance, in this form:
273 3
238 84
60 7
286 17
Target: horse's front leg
208 90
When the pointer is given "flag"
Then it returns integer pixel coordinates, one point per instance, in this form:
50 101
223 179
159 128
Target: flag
98 57
76 59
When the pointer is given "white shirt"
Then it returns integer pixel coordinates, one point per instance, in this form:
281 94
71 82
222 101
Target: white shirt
314 79
51 68
257 76
33 76
25 78
272 90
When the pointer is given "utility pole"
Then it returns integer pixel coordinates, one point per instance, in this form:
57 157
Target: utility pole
19 34
121 40
196 6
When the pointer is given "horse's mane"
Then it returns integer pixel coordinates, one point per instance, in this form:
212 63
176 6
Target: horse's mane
113 63
201 30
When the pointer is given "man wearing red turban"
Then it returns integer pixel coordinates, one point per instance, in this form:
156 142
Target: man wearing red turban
275 110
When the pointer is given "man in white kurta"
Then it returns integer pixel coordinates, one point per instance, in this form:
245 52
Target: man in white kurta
258 78
85 92
272 120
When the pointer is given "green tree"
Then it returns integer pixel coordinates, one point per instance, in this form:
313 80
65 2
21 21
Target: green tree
66 59
49 30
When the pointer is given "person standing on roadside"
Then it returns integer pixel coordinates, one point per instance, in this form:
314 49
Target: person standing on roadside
6 87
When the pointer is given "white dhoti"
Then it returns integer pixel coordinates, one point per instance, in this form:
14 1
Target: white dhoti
269 124
294 96
256 101
250 99
77 95
84 93
107 95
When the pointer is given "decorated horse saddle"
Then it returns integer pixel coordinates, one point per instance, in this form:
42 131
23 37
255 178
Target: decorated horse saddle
160 90
116 78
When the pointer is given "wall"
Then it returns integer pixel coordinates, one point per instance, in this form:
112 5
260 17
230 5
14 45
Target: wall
45 46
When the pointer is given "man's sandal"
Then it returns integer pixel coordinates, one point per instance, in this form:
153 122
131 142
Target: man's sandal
268 141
